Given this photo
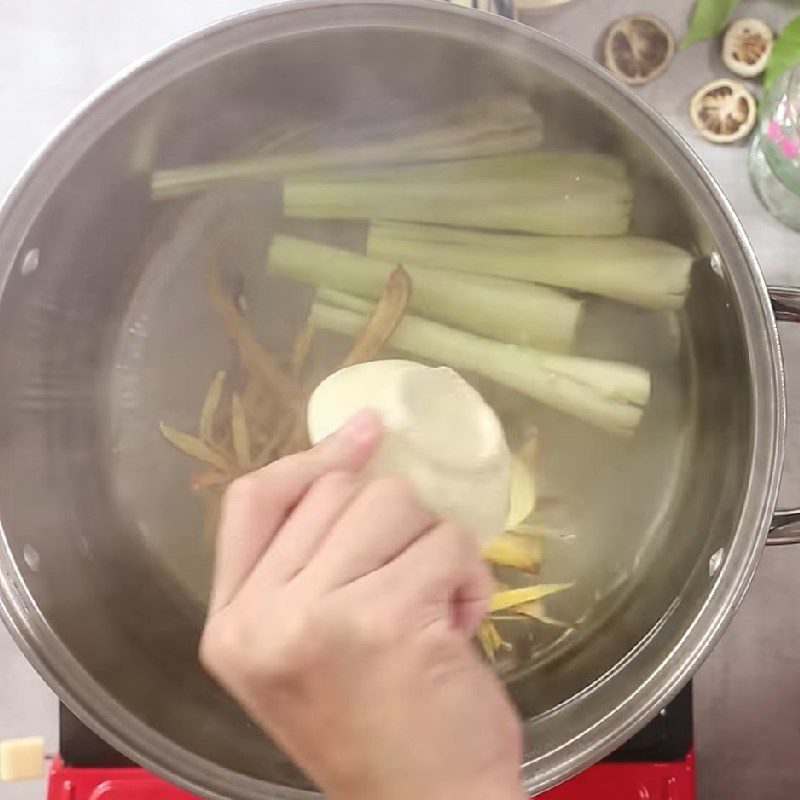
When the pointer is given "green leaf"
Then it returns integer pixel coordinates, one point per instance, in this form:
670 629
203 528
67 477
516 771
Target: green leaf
785 51
708 19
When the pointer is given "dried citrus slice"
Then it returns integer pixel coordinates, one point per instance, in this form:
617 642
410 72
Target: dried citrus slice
637 48
746 47
723 111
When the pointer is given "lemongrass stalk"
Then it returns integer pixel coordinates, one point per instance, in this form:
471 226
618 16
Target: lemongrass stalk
612 379
170 183
562 217
384 196
509 206
633 269
607 394
483 127
567 168
499 309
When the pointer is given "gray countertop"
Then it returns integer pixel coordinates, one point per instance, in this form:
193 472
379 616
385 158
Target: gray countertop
54 53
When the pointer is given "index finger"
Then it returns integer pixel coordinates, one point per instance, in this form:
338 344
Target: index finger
256 505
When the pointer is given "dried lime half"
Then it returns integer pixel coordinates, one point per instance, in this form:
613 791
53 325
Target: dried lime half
637 48
723 111
746 47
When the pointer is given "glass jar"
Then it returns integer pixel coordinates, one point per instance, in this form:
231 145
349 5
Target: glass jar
775 149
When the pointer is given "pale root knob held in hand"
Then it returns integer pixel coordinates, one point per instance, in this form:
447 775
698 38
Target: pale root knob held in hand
439 434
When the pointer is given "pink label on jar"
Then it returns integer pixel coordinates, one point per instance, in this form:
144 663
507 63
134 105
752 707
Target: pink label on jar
783 134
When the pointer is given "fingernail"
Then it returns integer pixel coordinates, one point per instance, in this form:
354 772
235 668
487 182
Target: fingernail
360 430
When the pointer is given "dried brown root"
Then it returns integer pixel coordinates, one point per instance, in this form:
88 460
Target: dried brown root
212 480
491 641
384 319
514 550
522 499
386 314
210 406
241 437
193 447
301 349
240 431
539 530
255 358
528 451
536 610
511 598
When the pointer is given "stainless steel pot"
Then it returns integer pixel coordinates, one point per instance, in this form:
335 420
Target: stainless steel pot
81 247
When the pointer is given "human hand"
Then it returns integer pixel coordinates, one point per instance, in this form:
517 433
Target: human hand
341 619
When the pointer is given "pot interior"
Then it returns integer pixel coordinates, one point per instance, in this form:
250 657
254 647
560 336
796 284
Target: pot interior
107 565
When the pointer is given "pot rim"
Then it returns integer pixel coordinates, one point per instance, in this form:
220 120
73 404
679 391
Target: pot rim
92 704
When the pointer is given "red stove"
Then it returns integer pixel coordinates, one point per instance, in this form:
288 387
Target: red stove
656 764
606 781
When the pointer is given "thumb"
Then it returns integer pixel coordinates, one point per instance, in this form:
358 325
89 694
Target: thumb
351 446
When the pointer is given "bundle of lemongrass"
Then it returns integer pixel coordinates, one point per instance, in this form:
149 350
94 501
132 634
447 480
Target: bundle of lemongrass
492 241
500 242
503 319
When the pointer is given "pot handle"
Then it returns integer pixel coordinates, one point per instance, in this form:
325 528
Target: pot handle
785 525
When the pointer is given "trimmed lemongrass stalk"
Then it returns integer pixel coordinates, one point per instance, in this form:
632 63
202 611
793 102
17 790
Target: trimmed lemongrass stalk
565 168
483 127
505 192
632 269
500 309
525 205
607 394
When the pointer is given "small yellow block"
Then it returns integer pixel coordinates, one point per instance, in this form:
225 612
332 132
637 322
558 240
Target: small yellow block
22 759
